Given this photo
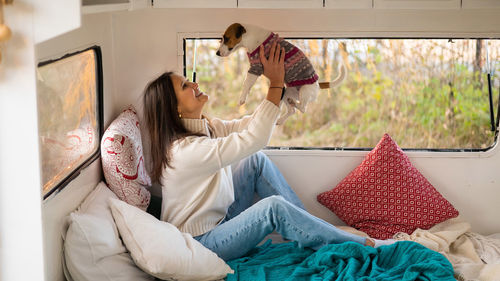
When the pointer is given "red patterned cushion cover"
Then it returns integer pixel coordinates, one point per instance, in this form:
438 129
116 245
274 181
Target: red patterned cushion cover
123 162
386 194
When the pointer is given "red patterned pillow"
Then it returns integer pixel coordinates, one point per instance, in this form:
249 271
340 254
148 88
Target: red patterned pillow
386 194
123 162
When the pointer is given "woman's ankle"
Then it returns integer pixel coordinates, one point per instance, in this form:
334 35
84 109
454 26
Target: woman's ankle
369 242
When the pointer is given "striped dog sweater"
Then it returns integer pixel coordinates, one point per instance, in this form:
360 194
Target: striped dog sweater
298 69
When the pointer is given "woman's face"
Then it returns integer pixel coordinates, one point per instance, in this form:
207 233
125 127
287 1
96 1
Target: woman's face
190 100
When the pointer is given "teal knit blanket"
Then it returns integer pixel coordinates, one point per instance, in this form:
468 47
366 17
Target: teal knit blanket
403 260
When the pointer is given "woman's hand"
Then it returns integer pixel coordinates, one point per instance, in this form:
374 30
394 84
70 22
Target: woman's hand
274 70
274 67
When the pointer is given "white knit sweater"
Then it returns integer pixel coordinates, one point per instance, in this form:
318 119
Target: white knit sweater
199 189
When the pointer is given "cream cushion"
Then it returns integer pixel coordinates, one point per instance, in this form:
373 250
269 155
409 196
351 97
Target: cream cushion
92 247
161 250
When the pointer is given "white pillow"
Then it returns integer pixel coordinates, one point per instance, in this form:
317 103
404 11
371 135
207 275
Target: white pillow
92 247
161 250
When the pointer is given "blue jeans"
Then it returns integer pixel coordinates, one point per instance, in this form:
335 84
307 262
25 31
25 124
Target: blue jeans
246 225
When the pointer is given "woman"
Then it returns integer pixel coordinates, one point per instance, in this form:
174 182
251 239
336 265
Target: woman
192 159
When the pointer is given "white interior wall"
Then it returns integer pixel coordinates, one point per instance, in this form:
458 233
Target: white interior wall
470 181
95 30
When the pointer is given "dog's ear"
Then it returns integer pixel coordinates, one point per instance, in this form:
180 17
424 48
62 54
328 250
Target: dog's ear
240 30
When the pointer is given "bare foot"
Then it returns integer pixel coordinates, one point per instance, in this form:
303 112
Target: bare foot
370 242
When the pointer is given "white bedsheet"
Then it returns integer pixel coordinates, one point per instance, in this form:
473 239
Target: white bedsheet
473 256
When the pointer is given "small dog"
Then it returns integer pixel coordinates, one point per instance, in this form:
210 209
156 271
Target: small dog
301 79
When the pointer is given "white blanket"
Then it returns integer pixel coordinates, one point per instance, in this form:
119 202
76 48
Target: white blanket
473 256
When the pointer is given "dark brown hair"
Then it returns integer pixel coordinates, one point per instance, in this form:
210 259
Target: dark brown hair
162 121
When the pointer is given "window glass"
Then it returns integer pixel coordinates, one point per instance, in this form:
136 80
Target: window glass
426 93
68 115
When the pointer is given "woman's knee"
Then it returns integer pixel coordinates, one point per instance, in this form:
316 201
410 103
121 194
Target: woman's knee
254 159
274 202
260 155
254 162
257 158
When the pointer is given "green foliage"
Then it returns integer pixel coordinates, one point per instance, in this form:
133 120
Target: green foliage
424 93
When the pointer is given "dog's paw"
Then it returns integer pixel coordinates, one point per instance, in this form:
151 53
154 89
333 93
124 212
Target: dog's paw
301 107
281 120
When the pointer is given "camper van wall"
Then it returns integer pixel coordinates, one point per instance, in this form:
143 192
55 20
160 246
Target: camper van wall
195 4
50 21
21 244
348 4
280 4
480 4
417 4
99 6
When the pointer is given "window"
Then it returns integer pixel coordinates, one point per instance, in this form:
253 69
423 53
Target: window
426 93
69 100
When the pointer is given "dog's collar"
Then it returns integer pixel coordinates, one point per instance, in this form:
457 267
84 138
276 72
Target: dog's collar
263 44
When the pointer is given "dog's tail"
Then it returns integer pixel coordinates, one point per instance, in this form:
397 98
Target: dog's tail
337 81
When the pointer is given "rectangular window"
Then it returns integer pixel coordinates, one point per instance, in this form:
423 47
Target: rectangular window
69 100
426 93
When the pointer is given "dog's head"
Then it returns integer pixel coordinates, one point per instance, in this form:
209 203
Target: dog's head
231 39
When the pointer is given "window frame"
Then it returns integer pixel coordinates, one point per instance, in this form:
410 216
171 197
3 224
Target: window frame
100 116
183 36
